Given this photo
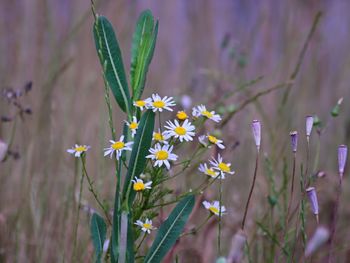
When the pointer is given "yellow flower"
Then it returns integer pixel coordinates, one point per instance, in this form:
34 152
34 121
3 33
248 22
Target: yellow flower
181 115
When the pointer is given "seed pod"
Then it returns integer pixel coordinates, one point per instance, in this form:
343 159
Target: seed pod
237 245
320 237
3 150
342 155
312 195
256 127
309 124
294 140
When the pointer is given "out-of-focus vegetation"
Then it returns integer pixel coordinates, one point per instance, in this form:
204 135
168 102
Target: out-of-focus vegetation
218 52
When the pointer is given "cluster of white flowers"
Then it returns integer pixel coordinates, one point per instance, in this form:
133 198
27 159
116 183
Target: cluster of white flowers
161 153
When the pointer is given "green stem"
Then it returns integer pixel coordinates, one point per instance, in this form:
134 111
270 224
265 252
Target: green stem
92 190
77 216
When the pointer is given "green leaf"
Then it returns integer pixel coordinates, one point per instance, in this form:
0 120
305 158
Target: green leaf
98 230
170 230
142 50
140 149
112 63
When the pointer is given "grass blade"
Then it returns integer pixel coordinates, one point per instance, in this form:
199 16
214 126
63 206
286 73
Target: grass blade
98 230
142 143
142 50
170 230
112 63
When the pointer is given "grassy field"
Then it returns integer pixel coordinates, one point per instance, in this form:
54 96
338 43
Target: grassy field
273 49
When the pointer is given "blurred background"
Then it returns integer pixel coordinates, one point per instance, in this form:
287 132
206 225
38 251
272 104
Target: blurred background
206 49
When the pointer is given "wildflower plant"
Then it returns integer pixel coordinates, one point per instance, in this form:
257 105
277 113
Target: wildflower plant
146 155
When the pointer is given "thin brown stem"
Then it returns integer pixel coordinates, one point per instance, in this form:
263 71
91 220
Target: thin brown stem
251 190
291 189
334 222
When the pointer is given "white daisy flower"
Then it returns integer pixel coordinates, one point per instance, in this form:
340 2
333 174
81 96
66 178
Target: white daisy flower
78 150
221 166
209 171
158 104
214 207
139 185
201 110
142 103
183 132
117 147
212 139
146 226
162 155
160 137
133 125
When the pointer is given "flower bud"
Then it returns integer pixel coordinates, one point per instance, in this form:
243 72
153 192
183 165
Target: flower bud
320 237
342 155
256 127
3 150
312 195
237 246
294 140
309 124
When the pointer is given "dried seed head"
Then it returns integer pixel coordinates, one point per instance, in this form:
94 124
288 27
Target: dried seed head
342 155
294 140
3 150
256 127
311 193
320 237
237 246
309 124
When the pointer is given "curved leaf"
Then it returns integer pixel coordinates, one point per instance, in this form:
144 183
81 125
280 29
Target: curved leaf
170 230
98 230
111 60
142 49
142 143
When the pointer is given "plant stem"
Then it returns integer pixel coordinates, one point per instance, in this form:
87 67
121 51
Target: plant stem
92 190
77 216
335 219
291 190
220 217
251 190
139 245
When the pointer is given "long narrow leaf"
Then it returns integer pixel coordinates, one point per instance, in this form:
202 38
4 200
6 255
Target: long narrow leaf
143 44
98 230
170 230
142 143
112 63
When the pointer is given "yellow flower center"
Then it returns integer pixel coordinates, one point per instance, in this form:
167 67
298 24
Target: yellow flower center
207 114
224 167
139 186
211 172
212 139
181 115
180 130
140 103
158 136
162 155
133 125
118 145
159 104
214 209
147 226
80 149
